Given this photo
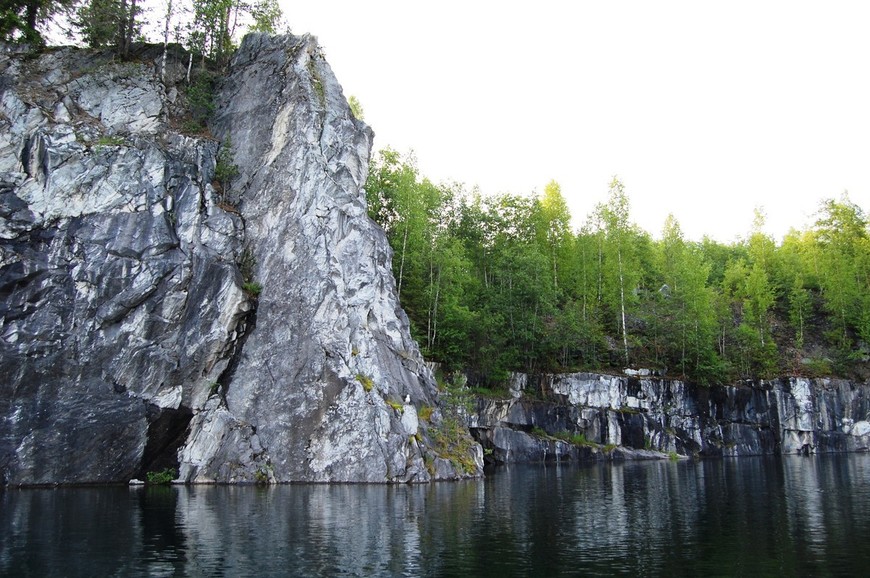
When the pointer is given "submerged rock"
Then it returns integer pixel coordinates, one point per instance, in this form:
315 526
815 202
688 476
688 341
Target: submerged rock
129 341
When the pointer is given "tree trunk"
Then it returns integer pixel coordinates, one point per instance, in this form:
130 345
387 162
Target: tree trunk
402 261
31 16
435 310
622 305
165 40
122 29
131 28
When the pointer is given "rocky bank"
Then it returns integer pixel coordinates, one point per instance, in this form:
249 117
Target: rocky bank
638 415
151 318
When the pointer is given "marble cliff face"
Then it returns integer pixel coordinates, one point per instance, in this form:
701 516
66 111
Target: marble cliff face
131 336
638 415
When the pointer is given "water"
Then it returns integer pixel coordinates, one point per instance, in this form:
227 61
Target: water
744 517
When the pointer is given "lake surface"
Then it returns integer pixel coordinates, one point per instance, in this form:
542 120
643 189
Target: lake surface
791 516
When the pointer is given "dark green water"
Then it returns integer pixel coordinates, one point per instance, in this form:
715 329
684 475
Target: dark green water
744 517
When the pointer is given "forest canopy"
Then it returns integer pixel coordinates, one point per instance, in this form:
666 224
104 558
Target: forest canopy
209 28
494 284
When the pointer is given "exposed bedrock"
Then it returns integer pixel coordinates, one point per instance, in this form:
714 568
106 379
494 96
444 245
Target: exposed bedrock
129 339
653 414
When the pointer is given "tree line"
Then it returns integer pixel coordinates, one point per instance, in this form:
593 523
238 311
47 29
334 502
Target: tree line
494 284
208 28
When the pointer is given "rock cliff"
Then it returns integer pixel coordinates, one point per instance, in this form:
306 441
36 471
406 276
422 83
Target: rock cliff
649 416
132 337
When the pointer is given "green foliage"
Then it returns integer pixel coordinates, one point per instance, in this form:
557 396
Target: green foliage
815 367
252 287
200 100
396 405
109 141
498 284
355 108
494 393
452 442
98 21
247 263
211 30
425 412
366 381
20 20
162 477
267 16
225 169
681 315
316 82
577 439
842 251
109 23
451 439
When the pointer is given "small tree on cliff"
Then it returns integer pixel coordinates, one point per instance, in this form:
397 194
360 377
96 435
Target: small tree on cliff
621 264
20 20
215 23
267 17
110 23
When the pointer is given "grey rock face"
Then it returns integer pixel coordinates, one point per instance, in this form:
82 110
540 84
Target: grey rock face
331 346
115 310
791 415
127 343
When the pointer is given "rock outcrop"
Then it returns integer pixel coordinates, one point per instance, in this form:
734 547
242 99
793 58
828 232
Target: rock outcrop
131 335
639 411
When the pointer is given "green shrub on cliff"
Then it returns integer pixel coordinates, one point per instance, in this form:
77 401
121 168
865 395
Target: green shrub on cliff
162 477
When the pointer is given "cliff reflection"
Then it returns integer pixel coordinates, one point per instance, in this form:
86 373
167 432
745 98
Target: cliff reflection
746 516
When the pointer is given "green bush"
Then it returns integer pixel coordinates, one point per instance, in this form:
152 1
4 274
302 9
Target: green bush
225 169
577 439
261 476
396 406
163 477
451 437
200 98
366 381
453 442
110 140
252 287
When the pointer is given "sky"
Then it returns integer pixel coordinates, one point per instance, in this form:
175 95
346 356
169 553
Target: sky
706 110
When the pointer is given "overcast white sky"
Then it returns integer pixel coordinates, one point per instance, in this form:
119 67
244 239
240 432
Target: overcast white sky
702 109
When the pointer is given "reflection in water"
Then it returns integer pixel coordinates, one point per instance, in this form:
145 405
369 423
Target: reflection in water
749 516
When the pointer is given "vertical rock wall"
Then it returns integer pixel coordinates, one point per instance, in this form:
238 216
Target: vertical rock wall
119 293
329 377
127 341
790 415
